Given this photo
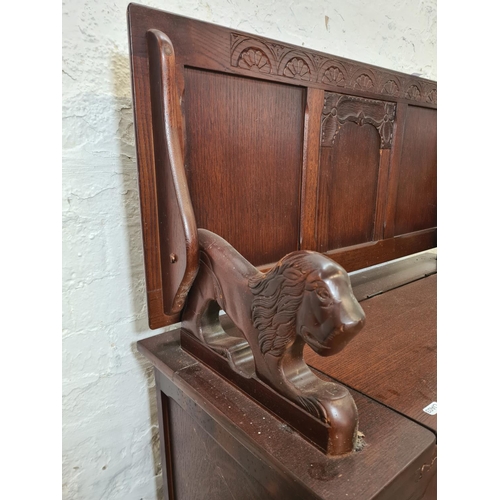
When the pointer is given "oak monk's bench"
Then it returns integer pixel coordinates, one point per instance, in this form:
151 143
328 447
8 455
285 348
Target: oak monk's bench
272 179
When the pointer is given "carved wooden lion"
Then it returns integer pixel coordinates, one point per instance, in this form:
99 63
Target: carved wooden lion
306 298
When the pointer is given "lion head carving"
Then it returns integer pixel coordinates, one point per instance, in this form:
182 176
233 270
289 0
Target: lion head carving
308 295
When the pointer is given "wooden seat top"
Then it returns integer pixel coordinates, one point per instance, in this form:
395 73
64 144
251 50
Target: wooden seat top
393 360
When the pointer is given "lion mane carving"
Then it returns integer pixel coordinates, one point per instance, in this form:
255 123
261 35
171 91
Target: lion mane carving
277 296
305 294
306 298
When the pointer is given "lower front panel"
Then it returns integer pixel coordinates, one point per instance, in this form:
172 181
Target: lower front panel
202 469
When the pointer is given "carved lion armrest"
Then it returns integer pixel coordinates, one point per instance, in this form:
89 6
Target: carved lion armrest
306 298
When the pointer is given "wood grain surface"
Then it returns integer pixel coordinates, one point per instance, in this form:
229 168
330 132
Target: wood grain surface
416 206
377 252
393 359
177 224
310 169
244 161
348 188
262 170
397 461
216 474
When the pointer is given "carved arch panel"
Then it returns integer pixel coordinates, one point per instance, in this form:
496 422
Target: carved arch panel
356 138
339 109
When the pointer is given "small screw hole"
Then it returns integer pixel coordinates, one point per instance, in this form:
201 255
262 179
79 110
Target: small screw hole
173 258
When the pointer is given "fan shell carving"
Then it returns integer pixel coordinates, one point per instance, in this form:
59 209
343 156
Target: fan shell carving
255 54
297 68
413 93
432 96
390 88
364 82
254 60
334 75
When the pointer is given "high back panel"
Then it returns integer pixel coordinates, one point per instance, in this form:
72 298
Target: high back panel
416 198
284 148
244 153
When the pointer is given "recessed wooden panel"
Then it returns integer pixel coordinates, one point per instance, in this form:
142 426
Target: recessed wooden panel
244 108
348 187
218 475
244 159
416 198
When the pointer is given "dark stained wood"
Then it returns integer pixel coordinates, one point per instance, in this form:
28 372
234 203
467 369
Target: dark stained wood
272 172
177 224
165 440
310 427
147 183
380 210
346 202
250 108
393 177
394 359
216 474
244 161
340 109
367 283
309 198
267 58
355 141
377 252
376 280
209 46
229 431
305 299
416 198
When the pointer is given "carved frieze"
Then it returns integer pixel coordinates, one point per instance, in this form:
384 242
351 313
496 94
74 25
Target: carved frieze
335 76
297 68
413 93
391 88
339 109
254 60
364 82
257 54
432 96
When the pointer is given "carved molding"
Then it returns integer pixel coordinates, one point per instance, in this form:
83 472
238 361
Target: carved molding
391 87
339 109
257 54
431 96
413 93
254 60
297 68
334 75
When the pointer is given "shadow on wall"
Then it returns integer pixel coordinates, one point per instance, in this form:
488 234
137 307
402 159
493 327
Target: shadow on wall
125 130
120 68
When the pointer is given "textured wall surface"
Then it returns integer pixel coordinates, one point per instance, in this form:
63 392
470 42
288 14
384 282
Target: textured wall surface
110 439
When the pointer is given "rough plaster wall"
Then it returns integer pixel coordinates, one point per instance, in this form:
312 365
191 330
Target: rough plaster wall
110 440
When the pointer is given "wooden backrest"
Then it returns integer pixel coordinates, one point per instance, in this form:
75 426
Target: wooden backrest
284 148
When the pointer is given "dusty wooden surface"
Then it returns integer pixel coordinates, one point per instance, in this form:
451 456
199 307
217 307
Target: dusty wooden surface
393 360
224 431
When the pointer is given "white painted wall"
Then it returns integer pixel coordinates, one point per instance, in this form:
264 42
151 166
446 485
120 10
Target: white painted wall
110 440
